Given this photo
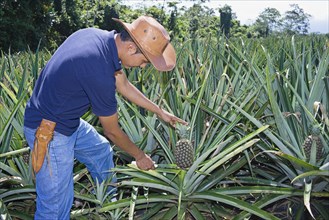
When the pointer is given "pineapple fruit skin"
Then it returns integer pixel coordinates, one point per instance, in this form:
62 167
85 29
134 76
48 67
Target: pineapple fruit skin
307 145
184 153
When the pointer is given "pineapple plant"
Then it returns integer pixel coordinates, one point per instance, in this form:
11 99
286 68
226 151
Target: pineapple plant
184 152
307 145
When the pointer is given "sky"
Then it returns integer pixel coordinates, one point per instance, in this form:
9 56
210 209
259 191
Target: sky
247 11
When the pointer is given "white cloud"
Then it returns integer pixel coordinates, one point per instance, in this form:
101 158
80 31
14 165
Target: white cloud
248 11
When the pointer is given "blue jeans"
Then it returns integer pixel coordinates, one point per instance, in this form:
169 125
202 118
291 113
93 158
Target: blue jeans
54 181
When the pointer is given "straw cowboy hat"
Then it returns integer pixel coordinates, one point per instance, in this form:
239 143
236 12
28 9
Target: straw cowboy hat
153 40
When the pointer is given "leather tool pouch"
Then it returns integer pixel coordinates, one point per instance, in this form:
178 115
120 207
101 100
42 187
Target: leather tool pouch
43 136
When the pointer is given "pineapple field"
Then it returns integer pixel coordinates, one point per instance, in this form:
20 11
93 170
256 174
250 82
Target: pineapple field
256 146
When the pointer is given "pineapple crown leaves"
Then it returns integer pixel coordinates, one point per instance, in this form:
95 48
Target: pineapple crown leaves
315 129
182 130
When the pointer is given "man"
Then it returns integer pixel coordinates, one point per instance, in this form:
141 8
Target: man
85 72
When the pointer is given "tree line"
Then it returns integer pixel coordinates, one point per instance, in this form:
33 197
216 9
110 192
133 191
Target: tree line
47 23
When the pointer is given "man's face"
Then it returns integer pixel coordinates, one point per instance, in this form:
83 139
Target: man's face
134 58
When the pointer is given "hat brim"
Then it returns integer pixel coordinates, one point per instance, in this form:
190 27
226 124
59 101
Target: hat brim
164 62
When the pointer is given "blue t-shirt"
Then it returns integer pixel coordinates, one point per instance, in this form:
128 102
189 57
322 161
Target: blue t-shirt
80 75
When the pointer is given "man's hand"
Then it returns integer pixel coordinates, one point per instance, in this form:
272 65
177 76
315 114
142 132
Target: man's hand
144 162
170 118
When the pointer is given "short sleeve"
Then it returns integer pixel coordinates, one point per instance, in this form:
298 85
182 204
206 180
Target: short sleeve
101 94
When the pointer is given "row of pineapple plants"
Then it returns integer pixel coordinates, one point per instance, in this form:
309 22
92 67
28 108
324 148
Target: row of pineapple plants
292 158
256 145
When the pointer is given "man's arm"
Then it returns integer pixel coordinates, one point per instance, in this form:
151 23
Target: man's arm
113 131
125 88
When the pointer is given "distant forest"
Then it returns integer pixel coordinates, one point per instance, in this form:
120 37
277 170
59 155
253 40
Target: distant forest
47 23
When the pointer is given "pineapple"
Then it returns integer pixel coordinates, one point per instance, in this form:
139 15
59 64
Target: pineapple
184 152
307 145
26 157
